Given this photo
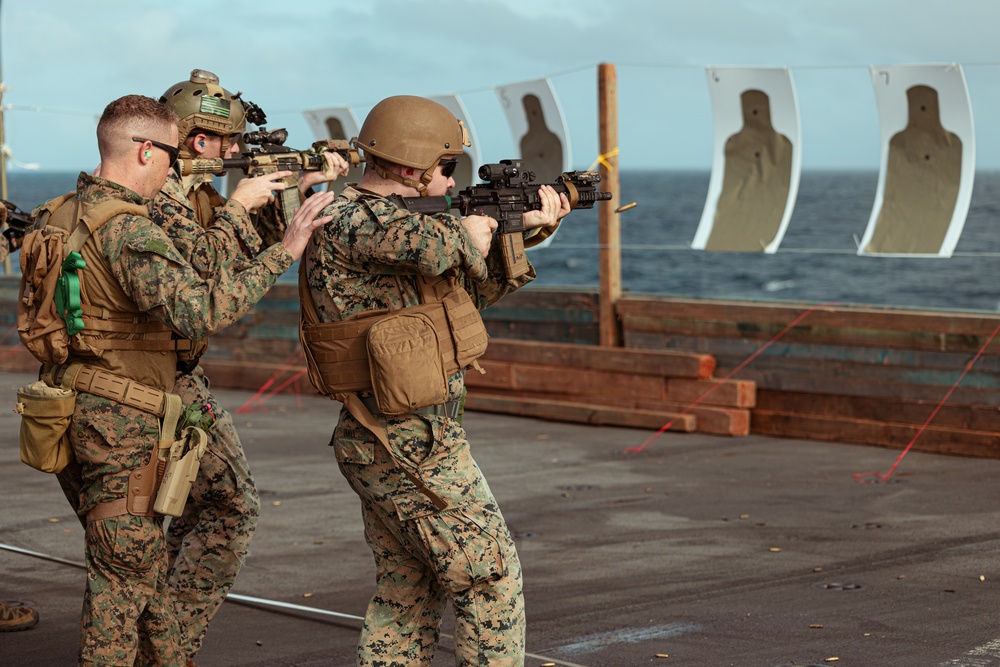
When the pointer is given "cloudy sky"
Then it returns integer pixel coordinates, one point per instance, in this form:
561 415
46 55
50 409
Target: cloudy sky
63 60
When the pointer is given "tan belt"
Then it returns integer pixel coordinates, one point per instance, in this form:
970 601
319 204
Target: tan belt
143 482
114 387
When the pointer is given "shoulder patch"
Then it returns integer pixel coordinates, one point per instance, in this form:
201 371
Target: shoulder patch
157 246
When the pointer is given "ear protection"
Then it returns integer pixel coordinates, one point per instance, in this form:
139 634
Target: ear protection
201 143
148 155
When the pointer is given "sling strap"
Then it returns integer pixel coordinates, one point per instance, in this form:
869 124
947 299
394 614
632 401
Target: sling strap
357 408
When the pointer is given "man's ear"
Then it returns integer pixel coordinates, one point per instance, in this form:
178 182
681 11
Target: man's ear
196 142
145 155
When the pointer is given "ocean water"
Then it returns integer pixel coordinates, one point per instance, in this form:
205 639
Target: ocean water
816 261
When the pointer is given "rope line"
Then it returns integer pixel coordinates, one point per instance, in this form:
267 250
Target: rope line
603 158
291 361
560 73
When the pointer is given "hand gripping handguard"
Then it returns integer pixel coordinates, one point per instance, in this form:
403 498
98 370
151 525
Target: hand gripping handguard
508 193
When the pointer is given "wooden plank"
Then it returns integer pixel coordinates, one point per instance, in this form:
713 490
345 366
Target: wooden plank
724 393
762 332
17 359
970 417
608 221
566 299
577 412
251 377
498 375
742 348
711 419
827 316
600 386
611 388
524 314
661 362
959 442
263 317
785 380
822 369
580 334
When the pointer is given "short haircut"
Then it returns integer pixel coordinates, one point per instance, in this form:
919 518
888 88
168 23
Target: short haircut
128 116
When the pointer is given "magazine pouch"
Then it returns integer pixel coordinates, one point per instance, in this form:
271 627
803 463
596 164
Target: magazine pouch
404 357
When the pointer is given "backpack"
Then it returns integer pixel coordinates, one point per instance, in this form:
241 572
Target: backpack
49 307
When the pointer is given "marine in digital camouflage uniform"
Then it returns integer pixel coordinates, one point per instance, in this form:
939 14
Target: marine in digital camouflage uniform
128 612
370 258
209 543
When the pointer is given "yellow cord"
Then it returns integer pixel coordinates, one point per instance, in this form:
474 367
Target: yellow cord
603 159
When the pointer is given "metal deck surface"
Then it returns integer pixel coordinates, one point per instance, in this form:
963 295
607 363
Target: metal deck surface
706 550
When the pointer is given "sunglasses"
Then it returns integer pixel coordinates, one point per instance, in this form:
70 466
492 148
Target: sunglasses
448 167
172 151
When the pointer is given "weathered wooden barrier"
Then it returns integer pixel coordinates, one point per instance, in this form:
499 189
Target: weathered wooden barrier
862 375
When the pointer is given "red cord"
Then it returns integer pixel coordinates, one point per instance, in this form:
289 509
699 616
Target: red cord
289 362
862 477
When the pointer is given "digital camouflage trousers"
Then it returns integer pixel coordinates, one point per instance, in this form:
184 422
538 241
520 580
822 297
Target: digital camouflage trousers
424 557
208 544
127 615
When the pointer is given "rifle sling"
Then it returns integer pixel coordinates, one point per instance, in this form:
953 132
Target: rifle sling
356 407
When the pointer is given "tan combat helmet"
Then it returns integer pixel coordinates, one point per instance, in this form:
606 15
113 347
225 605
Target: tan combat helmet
413 132
202 104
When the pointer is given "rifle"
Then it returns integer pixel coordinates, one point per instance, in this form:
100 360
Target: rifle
267 155
507 194
18 221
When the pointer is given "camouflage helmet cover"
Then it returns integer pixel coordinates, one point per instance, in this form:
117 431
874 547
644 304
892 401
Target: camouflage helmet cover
201 103
412 131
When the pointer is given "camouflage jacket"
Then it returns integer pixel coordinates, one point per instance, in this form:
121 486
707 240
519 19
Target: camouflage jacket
226 237
205 244
111 439
369 257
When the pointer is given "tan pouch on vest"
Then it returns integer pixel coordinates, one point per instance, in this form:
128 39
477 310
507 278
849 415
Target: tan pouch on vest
183 462
39 326
45 417
404 356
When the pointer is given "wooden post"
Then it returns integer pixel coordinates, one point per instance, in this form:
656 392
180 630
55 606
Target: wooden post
3 162
609 228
